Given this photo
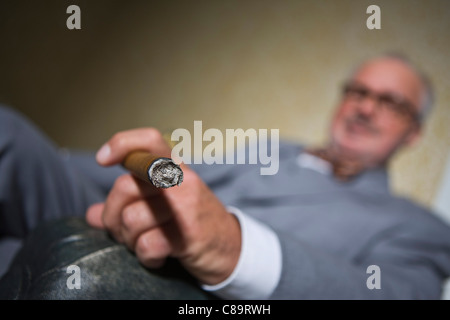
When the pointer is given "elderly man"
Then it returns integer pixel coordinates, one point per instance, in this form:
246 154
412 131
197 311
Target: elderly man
324 227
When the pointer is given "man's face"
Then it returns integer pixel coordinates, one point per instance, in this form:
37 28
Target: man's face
376 114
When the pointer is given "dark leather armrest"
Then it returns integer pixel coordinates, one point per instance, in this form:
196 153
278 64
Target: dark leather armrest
107 270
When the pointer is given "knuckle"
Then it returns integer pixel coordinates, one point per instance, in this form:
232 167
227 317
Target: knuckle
152 245
143 246
111 226
129 217
124 184
153 135
118 140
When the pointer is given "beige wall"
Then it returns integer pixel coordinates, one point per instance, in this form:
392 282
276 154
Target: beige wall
232 64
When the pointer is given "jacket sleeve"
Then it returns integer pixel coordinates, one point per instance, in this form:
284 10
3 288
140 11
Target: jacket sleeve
411 262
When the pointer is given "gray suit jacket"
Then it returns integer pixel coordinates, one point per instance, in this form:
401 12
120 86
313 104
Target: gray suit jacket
331 232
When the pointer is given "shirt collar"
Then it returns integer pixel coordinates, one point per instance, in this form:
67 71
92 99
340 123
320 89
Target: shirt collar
307 160
373 180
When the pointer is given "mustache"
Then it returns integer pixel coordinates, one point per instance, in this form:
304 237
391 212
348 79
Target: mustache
363 121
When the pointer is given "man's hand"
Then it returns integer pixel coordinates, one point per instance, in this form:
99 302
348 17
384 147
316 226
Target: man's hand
186 222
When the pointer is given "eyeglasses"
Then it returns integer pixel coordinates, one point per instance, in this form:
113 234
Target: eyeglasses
390 102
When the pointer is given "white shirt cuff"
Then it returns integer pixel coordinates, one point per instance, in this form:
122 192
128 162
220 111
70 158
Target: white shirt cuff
258 270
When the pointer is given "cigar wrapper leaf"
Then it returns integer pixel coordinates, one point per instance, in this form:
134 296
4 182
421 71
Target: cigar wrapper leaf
162 172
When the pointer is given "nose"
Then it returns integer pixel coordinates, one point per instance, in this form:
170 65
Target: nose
368 106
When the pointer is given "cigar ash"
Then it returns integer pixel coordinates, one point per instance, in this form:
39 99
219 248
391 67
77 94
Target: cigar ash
164 173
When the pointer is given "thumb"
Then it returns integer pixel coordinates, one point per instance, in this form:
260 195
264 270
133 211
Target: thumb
94 215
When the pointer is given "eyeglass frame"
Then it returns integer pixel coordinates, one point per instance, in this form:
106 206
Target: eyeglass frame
390 101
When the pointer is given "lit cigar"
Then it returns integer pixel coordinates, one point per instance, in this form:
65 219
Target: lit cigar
160 171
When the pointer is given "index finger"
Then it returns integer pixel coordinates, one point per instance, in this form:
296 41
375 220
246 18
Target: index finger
122 143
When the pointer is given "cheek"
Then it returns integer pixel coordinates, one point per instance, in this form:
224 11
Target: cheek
392 134
343 112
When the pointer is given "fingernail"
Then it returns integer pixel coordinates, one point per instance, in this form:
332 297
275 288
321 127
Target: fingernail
103 154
